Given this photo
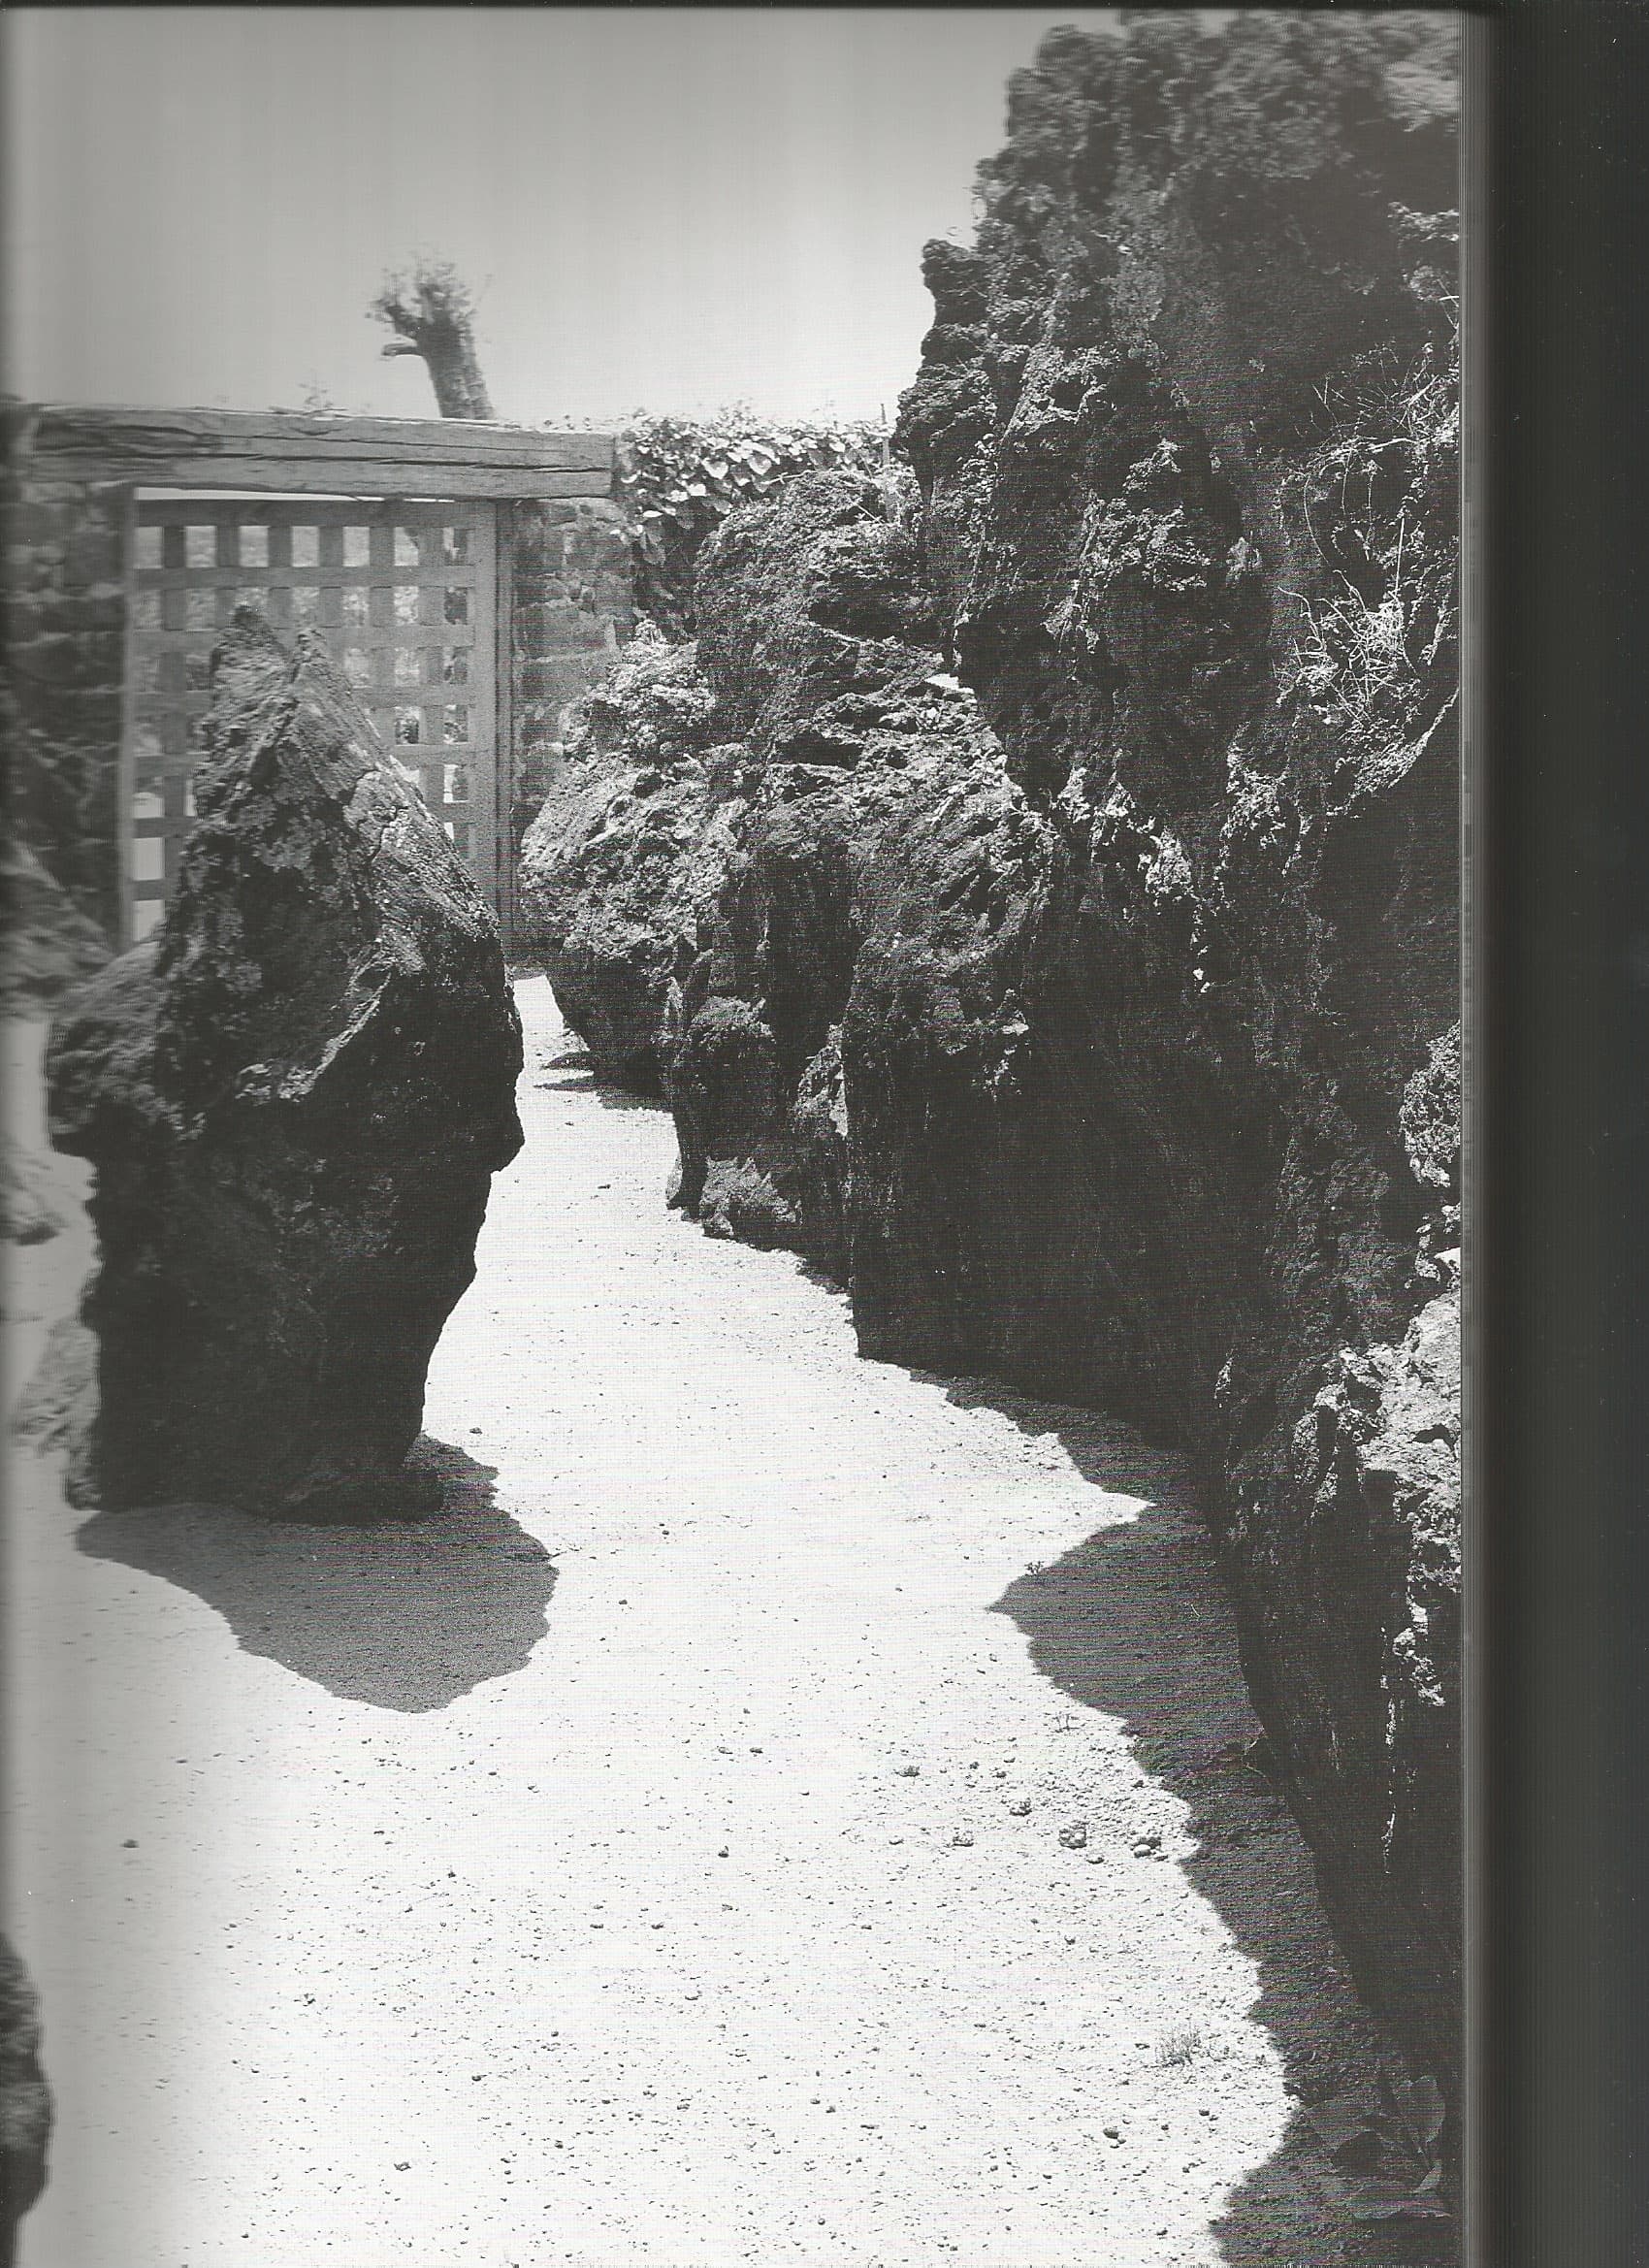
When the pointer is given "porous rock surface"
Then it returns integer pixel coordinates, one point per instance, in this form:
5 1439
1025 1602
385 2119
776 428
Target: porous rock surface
1095 1019
295 1098
626 851
25 2100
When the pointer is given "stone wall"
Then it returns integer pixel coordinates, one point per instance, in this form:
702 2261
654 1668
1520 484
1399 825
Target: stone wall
571 606
64 638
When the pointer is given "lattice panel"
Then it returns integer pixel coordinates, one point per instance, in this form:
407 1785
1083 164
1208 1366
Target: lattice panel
406 596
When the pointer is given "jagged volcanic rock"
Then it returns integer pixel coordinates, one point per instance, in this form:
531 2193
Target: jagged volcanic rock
295 1099
1187 429
1097 1020
625 858
696 897
25 2100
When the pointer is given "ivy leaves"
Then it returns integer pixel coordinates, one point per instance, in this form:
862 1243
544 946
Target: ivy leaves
682 477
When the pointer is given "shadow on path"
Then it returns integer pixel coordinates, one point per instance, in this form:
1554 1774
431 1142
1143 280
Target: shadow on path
575 1075
406 1614
1136 1622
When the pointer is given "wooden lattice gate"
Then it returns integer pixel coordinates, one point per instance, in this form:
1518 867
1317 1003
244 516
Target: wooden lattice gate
406 594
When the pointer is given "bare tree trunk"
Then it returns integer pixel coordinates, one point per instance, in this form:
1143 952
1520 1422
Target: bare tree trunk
432 316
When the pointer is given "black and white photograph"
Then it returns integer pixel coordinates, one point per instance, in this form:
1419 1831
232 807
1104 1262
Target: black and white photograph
732 1011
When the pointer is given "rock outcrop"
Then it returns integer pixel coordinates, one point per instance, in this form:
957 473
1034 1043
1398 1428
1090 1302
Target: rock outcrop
25 2100
627 856
1095 1019
1187 435
295 1098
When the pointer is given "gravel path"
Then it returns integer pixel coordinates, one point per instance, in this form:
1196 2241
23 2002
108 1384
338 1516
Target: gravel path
786 1812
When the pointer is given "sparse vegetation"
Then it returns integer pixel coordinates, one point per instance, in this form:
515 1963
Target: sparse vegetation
1379 502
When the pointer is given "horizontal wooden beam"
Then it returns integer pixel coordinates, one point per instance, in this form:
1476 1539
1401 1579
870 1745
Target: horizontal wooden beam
363 477
241 511
70 429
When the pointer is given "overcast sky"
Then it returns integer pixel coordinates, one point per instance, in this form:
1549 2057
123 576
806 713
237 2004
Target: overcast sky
662 209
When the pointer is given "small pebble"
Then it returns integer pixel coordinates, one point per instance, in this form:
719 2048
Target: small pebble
1019 1808
910 1771
1075 1836
961 1840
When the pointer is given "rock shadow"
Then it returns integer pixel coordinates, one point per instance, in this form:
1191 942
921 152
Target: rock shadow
573 1075
405 1615
1137 1622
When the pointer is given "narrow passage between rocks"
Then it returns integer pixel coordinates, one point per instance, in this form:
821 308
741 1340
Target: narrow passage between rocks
785 1809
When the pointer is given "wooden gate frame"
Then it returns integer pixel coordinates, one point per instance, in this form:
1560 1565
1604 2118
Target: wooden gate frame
299 453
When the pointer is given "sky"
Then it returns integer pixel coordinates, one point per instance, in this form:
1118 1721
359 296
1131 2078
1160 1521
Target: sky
660 210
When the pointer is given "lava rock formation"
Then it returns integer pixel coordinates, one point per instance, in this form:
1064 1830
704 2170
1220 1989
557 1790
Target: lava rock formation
295 1098
1051 922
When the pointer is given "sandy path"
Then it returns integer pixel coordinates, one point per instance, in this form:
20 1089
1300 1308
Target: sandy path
587 1877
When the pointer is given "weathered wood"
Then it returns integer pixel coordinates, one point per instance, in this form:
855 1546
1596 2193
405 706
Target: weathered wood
428 478
275 515
454 634
121 434
453 575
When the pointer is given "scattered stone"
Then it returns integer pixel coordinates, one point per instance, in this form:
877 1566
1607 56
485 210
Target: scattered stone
910 1771
961 1840
1075 1836
1146 1846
